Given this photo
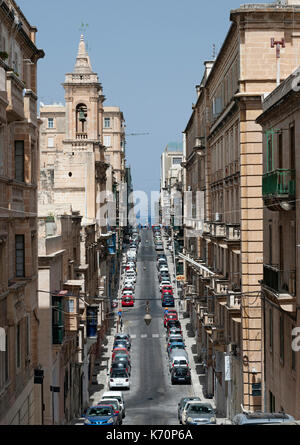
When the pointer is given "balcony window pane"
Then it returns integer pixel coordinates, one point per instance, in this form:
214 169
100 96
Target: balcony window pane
50 122
19 160
20 255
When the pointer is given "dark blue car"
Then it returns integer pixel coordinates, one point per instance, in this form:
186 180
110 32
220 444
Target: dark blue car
168 302
100 415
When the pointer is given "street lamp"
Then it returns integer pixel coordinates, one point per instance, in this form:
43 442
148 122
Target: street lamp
147 317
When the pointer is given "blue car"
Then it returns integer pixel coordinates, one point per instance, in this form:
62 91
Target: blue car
100 415
176 345
168 302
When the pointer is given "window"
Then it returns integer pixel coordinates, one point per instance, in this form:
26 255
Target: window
270 153
270 245
70 306
292 147
50 142
281 338
293 358
50 122
27 336
4 357
280 150
20 255
107 122
271 328
272 402
19 160
107 141
18 345
176 161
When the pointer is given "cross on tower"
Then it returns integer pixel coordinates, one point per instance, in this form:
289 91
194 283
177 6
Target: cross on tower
278 44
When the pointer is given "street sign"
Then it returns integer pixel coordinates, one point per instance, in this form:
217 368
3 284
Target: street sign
180 278
227 368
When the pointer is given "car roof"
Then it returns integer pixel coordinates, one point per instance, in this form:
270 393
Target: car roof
112 394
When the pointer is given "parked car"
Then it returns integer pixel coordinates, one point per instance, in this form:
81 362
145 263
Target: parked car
182 404
120 365
120 350
178 360
166 287
164 283
180 375
123 358
119 379
173 323
120 343
100 415
114 403
175 345
168 301
198 413
260 418
168 317
115 395
127 300
124 336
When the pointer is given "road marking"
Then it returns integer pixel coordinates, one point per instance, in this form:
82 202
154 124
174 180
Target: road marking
133 336
144 335
155 335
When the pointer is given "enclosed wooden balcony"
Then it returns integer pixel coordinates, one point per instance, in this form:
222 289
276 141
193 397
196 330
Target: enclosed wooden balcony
15 108
282 285
30 106
278 189
218 230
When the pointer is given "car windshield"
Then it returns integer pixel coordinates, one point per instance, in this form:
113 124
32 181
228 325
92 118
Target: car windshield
99 411
199 409
119 373
177 346
181 371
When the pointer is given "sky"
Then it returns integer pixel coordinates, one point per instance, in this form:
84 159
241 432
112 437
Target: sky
149 56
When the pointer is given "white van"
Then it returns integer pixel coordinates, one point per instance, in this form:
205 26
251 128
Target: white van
115 395
178 361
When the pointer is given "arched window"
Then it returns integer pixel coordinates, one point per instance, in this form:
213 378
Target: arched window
81 118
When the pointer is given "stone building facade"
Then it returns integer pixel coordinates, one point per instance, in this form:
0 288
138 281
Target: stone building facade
280 122
224 260
19 156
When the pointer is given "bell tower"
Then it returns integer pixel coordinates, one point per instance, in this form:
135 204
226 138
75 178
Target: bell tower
84 100
80 168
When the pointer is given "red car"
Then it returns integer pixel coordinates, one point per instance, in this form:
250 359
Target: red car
166 287
127 300
116 350
166 294
168 317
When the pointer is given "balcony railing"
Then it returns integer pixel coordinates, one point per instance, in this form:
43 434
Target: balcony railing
218 230
234 300
233 232
81 136
279 184
280 281
15 109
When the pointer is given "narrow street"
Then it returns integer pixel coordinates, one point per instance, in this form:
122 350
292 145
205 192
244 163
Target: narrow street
152 399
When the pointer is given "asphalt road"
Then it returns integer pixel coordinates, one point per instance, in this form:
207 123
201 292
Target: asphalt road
152 399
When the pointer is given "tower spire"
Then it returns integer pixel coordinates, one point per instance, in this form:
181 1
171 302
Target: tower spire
82 64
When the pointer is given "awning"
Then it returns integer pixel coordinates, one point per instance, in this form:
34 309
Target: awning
224 246
237 252
199 265
236 320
